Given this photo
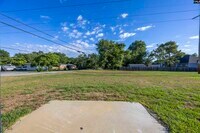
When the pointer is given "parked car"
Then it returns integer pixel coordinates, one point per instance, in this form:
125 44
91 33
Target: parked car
8 67
26 67
20 68
71 67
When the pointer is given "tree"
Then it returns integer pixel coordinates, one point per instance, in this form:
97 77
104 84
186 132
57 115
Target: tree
92 61
18 59
168 54
138 52
127 58
4 57
148 58
111 54
49 59
195 54
63 58
81 61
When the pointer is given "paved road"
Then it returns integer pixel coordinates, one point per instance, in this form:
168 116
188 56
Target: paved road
14 73
88 117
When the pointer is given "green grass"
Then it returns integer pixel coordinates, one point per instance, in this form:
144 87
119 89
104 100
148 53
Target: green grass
173 96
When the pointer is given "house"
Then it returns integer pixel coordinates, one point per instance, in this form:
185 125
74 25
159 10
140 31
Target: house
67 67
189 61
63 67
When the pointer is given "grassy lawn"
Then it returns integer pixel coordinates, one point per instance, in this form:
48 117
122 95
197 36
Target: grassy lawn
173 96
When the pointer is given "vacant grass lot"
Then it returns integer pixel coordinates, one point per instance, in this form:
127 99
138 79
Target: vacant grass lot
173 96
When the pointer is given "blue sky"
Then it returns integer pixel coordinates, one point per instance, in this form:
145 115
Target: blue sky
153 21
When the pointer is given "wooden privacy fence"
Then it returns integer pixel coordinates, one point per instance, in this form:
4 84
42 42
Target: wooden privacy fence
185 69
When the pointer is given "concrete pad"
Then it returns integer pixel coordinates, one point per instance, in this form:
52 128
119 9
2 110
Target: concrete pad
88 117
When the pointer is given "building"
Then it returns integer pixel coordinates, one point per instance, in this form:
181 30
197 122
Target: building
189 61
63 67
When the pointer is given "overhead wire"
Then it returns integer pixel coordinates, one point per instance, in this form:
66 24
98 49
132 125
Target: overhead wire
114 17
79 51
150 22
34 28
64 6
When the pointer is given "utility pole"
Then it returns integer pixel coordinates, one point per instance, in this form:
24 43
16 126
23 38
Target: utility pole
199 44
198 16
199 48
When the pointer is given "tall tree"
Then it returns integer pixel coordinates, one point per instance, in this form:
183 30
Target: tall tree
63 58
111 54
127 58
81 61
4 57
19 59
195 54
49 59
138 52
148 59
92 61
168 53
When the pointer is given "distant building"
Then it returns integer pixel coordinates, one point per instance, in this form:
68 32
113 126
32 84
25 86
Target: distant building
189 61
143 65
136 65
63 66
67 67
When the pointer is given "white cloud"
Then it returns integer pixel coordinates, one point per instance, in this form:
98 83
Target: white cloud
65 28
121 31
45 48
124 15
71 25
186 45
186 50
194 37
45 17
80 17
126 35
99 35
81 22
112 28
98 29
150 46
82 43
88 33
75 34
92 39
144 28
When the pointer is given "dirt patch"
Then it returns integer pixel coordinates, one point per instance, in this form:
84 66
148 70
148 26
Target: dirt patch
34 100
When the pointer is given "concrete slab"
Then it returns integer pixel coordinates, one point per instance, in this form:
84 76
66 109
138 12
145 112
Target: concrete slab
88 117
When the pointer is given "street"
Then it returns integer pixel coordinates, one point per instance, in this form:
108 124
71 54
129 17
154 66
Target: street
23 73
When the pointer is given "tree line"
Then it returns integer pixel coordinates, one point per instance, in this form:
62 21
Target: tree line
110 55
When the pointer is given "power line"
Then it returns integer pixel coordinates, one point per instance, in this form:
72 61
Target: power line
15 49
164 21
73 5
33 28
40 37
148 14
115 17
